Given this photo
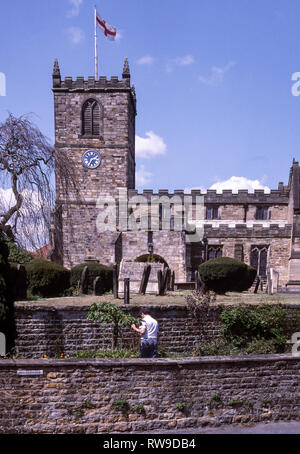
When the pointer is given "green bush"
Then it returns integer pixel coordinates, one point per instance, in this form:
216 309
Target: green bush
17 284
95 270
7 325
18 254
4 272
259 328
225 274
115 353
47 279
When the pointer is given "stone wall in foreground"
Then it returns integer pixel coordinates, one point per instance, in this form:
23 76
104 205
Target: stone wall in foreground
76 396
54 330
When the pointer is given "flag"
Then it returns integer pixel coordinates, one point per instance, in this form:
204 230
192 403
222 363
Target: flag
109 31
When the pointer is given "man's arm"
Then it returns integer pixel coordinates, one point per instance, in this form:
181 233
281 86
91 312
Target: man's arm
140 330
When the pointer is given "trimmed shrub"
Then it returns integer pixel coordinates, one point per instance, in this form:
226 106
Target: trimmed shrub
95 270
225 274
47 279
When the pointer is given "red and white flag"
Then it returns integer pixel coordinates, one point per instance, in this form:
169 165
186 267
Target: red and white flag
109 31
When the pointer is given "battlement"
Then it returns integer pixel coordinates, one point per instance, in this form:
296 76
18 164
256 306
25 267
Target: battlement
91 84
244 231
275 197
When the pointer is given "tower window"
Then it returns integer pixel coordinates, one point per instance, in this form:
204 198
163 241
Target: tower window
91 118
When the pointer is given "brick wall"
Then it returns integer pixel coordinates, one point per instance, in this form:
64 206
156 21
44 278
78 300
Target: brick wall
53 330
76 396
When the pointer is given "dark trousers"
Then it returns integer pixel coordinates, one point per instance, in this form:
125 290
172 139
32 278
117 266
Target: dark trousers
148 348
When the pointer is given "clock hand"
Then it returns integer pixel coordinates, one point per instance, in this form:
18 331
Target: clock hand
91 160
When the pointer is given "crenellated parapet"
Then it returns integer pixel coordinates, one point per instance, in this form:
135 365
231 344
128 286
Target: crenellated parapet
275 197
91 84
245 231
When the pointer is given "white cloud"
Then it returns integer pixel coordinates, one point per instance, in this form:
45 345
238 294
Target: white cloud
217 74
75 34
186 60
152 145
119 35
142 176
146 60
75 10
236 183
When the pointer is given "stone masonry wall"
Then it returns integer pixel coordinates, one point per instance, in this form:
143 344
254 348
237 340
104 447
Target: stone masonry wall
76 396
278 255
169 245
52 331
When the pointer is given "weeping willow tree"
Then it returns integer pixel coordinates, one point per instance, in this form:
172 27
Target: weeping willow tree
27 187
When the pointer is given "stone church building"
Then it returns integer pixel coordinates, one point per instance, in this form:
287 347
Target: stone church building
95 126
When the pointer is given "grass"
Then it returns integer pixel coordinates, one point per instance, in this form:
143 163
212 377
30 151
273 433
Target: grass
176 298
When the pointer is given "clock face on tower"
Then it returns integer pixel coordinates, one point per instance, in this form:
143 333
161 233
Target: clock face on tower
91 159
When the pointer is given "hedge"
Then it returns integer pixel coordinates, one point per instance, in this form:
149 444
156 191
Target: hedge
226 274
47 279
95 270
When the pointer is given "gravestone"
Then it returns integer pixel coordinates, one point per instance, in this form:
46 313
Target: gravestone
153 282
126 290
98 286
21 283
135 271
115 281
85 280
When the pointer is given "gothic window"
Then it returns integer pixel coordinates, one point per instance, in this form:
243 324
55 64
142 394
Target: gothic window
91 118
213 252
212 213
259 259
262 213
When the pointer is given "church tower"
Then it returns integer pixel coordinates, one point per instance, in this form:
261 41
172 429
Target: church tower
95 129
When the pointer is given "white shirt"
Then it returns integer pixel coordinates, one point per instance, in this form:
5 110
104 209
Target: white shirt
151 326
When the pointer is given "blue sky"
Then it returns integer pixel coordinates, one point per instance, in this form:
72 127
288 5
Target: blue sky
212 77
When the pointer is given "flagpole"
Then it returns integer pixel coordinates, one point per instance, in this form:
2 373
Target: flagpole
96 46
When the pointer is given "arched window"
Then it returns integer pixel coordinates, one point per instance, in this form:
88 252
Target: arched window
91 118
259 259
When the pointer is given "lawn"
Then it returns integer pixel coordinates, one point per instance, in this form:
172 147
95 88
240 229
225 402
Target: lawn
172 298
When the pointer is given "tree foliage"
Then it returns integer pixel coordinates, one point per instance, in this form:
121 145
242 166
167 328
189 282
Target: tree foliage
111 314
17 254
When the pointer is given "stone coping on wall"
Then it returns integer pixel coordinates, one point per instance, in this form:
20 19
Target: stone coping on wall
63 304
142 362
